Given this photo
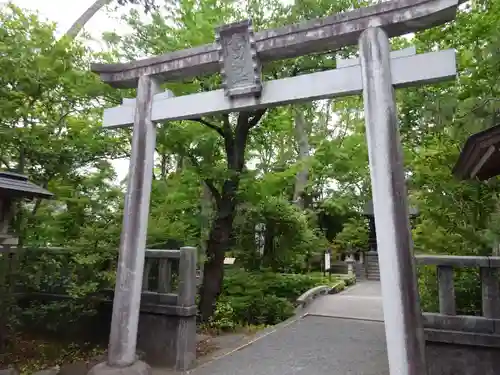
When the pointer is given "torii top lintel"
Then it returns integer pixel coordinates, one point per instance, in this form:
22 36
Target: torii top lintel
397 17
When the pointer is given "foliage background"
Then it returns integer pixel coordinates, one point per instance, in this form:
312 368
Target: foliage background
50 130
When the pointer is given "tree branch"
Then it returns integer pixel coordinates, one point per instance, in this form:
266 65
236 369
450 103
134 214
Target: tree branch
479 106
215 193
2 160
299 71
256 118
209 125
209 182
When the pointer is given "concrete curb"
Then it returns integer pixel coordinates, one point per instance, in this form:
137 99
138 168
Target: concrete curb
308 297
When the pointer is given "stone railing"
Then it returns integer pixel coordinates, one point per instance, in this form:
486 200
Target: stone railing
448 327
174 291
458 344
167 324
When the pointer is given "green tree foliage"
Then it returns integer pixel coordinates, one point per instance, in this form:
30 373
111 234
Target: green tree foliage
354 235
50 130
51 121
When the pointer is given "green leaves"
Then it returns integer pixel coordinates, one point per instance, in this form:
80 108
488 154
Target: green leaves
50 129
354 235
50 124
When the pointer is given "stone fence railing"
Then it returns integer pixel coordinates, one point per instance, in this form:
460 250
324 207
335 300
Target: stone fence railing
174 292
474 330
49 269
167 325
458 344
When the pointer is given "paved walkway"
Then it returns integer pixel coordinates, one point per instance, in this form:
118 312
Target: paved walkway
361 301
341 334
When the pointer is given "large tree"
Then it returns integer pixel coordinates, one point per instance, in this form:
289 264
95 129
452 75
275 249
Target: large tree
219 161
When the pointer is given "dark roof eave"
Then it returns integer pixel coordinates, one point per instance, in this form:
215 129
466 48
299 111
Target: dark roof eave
18 186
473 151
43 194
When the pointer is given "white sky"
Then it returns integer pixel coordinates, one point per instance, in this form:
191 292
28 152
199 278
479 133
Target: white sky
64 13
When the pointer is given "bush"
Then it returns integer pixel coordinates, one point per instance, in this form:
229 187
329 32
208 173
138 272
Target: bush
223 318
290 238
350 280
265 297
339 286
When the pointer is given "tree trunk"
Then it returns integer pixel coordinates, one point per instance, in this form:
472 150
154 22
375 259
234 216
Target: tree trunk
180 164
219 240
218 243
269 256
302 177
80 23
205 213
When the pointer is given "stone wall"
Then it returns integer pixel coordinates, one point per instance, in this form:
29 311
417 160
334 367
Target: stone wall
455 359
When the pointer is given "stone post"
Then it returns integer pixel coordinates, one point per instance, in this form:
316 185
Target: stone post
350 264
127 299
402 314
167 329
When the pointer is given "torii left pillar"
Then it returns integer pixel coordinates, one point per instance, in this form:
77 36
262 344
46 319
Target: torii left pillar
122 358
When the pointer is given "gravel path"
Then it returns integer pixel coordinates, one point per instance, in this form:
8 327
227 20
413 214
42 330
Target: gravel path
362 301
311 346
342 335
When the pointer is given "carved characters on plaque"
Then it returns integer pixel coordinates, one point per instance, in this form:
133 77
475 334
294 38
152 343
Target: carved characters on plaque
236 51
240 67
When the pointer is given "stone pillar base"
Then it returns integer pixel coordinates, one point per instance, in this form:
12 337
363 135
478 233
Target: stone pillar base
138 368
168 340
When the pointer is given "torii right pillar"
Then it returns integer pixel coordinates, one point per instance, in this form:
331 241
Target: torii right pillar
402 313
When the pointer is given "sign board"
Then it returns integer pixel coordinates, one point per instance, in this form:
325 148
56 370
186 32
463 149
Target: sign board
229 260
327 260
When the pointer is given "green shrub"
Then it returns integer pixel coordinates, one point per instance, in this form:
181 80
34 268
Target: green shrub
339 286
265 297
260 309
294 233
350 280
223 318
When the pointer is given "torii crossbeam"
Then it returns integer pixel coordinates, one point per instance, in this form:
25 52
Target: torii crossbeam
407 70
238 54
397 18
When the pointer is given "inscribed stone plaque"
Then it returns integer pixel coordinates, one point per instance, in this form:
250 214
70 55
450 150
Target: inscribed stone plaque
240 67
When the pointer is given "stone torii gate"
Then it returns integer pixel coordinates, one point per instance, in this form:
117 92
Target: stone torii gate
238 54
